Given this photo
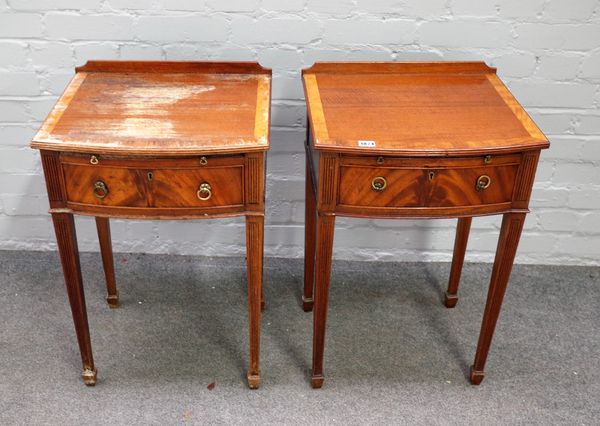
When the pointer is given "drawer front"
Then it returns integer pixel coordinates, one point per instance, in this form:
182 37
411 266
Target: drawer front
403 187
472 186
110 186
155 183
197 187
447 183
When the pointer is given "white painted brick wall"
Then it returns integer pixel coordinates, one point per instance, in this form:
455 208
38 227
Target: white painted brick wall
547 51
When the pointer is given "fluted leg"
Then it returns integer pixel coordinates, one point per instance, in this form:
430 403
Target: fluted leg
512 225
64 226
103 227
460 247
324 248
254 244
310 216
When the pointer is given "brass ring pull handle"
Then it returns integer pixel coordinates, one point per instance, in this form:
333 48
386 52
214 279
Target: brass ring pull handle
203 161
204 192
378 183
93 160
483 182
100 190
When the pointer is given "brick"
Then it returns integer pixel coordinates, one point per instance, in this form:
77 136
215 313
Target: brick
583 247
520 9
369 54
531 243
55 83
549 197
233 5
426 8
591 66
371 32
49 54
96 51
24 183
380 6
246 30
141 52
180 52
312 55
331 7
280 59
415 55
552 122
13 111
63 26
189 5
34 5
25 228
520 64
591 150
576 95
19 84
16 135
584 198
590 223
474 8
563 148
588 125
566 9
19 160
130 4
181 28
19 25
28 205
465 33
283 6
545 170
13 54
41 107
559 220
569 174
561 66
557 36
232 53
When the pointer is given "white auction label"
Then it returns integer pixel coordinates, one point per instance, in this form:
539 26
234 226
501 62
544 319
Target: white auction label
366 144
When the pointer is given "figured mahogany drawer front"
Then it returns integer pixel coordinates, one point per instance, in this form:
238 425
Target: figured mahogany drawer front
426 183
155 183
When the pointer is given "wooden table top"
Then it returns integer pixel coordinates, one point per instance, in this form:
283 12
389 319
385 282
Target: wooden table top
161 108
416 109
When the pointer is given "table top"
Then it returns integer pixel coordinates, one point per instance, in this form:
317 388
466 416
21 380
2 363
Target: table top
416 109
161 108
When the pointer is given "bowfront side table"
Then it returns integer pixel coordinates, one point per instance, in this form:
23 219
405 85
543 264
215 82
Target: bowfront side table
414 140
157 140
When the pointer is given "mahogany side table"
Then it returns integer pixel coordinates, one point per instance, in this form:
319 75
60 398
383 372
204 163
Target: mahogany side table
157 140
414 140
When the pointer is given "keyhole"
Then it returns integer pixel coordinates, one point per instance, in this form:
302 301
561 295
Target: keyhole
431 176
150 176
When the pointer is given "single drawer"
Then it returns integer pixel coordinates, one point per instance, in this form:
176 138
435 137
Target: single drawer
104 185
396 182
154 183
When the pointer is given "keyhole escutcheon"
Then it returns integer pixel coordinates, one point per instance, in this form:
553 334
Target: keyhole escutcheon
431 175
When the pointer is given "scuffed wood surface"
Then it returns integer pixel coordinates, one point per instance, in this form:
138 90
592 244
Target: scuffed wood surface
151 110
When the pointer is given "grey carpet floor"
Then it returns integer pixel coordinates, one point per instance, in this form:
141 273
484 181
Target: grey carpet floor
394 354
